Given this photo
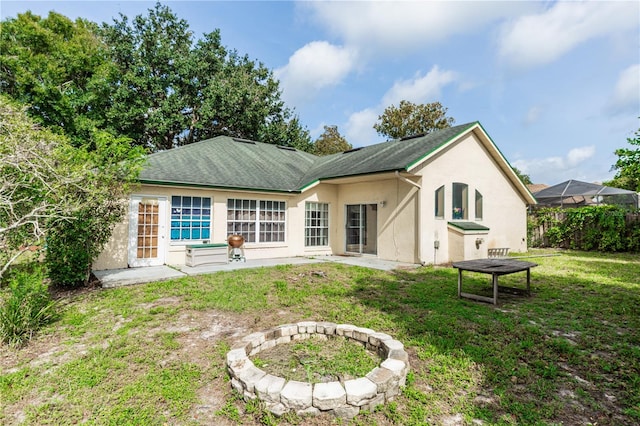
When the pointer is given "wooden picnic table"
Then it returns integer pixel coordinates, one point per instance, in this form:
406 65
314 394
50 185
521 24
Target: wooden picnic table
494 267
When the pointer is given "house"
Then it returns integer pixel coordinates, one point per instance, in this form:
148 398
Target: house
446 196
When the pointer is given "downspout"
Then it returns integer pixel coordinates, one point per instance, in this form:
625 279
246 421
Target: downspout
410 182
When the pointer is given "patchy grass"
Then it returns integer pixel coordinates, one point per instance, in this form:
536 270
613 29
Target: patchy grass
154 354
318 360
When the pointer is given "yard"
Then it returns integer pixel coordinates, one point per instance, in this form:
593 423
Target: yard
154 354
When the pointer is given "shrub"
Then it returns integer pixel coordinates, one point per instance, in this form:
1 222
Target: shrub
26 307
606 228
68 256
73 245
633 237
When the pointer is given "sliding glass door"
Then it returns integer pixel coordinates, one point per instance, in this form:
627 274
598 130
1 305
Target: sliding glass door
362 228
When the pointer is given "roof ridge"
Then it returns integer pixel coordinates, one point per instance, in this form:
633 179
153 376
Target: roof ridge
392 150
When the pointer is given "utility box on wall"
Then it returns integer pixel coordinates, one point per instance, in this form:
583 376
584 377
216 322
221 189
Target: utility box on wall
467 241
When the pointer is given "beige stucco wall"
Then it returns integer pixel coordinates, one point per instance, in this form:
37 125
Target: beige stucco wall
406 223
397 210
397 203
115 254
462 244
504 210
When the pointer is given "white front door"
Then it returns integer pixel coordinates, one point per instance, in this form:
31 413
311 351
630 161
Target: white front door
147 230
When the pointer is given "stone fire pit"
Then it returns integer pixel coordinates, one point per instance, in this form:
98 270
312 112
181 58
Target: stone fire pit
346 399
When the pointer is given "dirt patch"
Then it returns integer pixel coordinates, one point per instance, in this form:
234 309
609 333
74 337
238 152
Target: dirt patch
197 332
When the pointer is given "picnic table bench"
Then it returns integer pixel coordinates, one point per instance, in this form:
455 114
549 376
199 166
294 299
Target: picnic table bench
494 267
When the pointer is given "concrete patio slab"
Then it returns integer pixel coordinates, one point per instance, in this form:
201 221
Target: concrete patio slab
369 262
256 263
121 277
129 276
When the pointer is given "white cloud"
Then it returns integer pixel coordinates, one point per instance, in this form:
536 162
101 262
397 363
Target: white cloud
403 26
626 95
577 156
533 115
359 129
420 89
538 39
555 169
314 67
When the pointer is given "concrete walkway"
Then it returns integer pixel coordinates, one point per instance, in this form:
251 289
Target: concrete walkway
122 277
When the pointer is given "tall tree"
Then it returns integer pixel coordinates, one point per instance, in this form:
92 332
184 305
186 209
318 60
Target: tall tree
144 79
151 56
628 166
410 119
330 142
170 91
59 68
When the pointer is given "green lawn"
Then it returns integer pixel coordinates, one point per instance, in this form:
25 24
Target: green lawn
154 354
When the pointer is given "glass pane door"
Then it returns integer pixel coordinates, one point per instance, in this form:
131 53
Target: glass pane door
146 231
362 228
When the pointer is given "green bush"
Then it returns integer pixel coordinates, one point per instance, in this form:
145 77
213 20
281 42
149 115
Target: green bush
633 237
603 228
73 245
26 306
68 258
556 236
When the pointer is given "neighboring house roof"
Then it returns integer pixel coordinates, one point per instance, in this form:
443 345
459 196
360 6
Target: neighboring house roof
535 187
225 162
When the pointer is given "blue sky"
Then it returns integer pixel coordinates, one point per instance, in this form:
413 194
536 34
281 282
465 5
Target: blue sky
555 84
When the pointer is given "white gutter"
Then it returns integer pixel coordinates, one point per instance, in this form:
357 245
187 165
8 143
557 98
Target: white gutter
409 181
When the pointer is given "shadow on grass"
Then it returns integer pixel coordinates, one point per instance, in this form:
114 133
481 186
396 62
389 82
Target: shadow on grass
570 353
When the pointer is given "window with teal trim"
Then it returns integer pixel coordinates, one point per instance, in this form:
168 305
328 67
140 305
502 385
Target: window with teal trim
190 218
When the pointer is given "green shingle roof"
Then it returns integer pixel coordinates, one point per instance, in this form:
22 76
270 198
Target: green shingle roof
225 162
468 226
383 157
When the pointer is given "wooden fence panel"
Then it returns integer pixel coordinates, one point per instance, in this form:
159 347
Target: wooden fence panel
538 234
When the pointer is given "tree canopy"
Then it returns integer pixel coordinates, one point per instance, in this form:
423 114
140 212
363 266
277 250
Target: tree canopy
171 91
627 166
410 119
146 79
59 68
330 142
523 177
46 182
